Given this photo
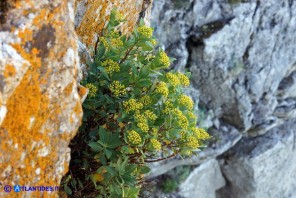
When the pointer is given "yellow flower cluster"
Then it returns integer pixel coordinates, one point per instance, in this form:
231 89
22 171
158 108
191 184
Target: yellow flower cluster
150 115
145 31
167 107
132 105
192 115
183 135
154 131
116 42
117 89
156 144
140 117
114 34
177 112
186 101
200 133
146 100
111 66
192 142
162 89
134 137
164 59
173 79
105 42
183 79
154 42
182 121
119 16
143 126
92 89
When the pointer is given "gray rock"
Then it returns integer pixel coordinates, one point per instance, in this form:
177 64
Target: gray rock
262 167
203 181
241 55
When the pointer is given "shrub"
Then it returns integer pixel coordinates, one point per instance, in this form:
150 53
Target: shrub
135 113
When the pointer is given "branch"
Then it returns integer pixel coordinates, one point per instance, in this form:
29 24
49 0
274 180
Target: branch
156 160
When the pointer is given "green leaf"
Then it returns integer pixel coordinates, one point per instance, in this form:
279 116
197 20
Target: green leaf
129 179
103 72
95 146
111 171
100 52
144 169
108 153
67 189
103 159
130 168
110 140
144 83
131 192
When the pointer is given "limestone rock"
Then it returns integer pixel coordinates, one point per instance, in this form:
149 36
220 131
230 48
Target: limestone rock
262 167
241 55
40 107
203 181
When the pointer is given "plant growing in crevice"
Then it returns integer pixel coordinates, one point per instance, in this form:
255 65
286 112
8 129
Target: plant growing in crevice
135 113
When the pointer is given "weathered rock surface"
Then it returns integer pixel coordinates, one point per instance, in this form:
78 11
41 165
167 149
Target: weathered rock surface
242 58
40 107
91 18
262 167
203 181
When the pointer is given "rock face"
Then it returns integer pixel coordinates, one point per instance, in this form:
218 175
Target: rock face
203 181
262 171
91 18
242 58
40 107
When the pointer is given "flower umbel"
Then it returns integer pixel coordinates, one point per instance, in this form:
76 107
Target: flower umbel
173 79
164 59
183 79
162 89
155 144
150 115
92 89
192 142
201 134
117 89
111 66
186 101
132 105
145 31
116 42
134 137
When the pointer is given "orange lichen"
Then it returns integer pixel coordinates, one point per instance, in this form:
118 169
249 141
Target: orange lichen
82 91
9 71
97 15
29 133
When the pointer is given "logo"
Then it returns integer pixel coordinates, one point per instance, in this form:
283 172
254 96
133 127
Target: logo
7 188
17 188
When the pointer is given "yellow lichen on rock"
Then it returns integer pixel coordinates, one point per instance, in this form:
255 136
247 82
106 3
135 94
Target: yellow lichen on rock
43 107
97 15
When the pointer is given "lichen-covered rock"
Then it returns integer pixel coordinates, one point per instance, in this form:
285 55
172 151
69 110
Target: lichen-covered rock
40 107
92 16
